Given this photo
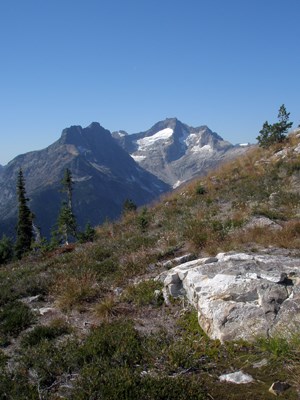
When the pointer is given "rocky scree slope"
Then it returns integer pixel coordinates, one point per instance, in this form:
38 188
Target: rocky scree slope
176 152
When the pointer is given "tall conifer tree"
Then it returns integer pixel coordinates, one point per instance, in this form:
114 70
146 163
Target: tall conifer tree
275 133
67 184
66 219
24 224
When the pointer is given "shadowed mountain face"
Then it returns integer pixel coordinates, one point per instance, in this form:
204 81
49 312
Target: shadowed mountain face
176 152
104 177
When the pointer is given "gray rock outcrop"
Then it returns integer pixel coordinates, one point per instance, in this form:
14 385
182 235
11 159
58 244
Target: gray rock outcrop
240 296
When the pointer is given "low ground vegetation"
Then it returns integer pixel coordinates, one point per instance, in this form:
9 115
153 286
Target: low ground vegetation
87 321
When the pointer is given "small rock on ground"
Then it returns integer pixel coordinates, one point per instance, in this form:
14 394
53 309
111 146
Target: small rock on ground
237 377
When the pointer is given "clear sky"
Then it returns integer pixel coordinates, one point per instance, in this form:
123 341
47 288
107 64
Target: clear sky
127 64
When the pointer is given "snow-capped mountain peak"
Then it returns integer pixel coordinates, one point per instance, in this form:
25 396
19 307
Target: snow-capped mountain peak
176 152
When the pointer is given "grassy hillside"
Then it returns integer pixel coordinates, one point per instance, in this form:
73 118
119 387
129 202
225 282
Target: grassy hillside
89 322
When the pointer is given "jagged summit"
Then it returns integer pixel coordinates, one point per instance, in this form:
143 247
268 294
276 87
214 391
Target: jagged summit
75 134
105 176
109 168
177 152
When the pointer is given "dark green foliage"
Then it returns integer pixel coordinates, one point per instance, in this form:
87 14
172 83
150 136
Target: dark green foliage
54 239
48 362
15 386
88 235
265 137
113 357
275 133
200 189
129 206
24 224
144 293
143 219
6 250
169 388
23 282
42 332
66 221
278 347
116 343
124 384
14 318
67 186
190 325
41 246
106 383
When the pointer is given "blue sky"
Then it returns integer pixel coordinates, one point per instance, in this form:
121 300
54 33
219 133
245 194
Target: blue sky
127 64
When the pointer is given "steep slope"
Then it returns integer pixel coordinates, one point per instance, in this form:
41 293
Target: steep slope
97 308
104 176
176 152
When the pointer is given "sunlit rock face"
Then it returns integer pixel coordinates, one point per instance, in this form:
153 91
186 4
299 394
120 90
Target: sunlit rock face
241 296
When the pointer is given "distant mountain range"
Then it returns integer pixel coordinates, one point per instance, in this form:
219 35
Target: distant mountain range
176 152
104 177
109 168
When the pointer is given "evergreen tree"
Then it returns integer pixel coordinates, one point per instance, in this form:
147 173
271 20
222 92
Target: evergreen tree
129 206
24 224
88 235
89 232
67 186
143 219
54 239
275 133
66 221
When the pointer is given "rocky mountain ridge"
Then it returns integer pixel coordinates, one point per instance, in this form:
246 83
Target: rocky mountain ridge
104 177
108 168
176 152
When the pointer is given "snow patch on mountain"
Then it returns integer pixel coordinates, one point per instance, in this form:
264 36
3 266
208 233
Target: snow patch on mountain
82 178
148 141
176 184
138 158
199 149
193 140
244 144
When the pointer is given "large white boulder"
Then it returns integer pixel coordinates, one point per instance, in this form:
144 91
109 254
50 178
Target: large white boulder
240 296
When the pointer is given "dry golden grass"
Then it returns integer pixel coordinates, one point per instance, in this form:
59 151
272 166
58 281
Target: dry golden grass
106 309
287 237
73 291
